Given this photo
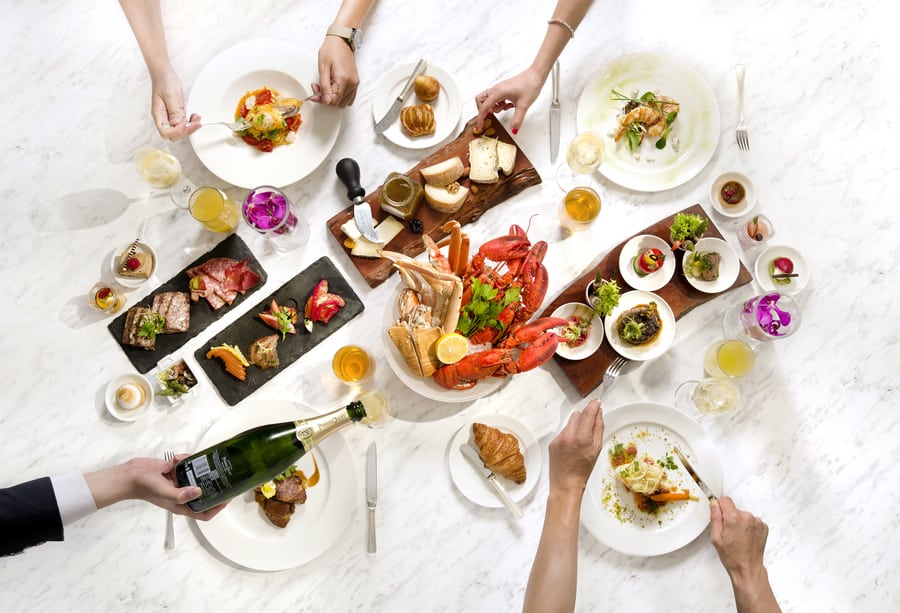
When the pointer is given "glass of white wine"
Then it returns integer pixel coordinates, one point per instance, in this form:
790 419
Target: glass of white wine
583 157
711 396
162 170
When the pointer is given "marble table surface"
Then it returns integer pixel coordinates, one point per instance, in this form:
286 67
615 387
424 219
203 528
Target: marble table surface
812 450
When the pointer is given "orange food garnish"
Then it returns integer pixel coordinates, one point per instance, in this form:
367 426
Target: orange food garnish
232 358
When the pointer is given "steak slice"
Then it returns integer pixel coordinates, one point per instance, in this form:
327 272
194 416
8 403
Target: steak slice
290 490
133 321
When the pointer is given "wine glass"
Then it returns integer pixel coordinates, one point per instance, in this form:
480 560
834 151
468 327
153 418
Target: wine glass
583 157
162 170
711 396
728 358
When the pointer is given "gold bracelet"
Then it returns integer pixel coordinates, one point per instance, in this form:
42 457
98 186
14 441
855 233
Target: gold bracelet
562 23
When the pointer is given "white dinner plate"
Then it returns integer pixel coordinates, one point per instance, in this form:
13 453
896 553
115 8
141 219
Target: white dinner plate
219 87
761 269
696 127
473 485
608 510
243 534
636 246
729 266
115 261
447 107
595 332
650 350
422 386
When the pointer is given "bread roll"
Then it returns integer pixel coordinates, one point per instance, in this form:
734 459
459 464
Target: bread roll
427 88
418 120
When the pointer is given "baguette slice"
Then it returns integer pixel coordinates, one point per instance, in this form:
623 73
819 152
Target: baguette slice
443 200
483 160
506 157
443 173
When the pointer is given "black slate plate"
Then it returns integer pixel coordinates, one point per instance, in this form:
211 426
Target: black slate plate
202 315
250 327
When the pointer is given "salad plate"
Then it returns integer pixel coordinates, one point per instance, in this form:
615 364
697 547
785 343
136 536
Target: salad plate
652 349
655 280
764 277
608 509
242 533
729 265
246 66
695 131
594 333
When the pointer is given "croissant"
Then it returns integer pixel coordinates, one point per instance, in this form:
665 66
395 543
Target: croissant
500 452
417 120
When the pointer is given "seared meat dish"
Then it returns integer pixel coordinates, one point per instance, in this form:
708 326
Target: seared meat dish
639 324
263 352
133 322
289 492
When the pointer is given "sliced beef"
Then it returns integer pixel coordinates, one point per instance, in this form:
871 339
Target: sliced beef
278 512
710 270
133 321
222 280
290 490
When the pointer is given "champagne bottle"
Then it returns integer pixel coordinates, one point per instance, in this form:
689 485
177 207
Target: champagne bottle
232 467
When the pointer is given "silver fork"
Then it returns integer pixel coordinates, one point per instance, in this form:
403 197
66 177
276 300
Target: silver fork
170 520
613 371
286 110
741 133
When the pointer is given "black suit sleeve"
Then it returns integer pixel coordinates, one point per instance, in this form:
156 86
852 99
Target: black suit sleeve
29 515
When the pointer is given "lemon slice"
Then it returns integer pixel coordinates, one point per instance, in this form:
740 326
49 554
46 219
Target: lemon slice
451 348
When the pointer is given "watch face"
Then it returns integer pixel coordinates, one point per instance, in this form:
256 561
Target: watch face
356 39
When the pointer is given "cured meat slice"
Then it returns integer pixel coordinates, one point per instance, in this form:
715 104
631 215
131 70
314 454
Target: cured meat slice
175 309
221 279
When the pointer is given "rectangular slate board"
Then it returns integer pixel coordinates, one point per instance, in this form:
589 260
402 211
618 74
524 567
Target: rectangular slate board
250 327
376 270
202 314
587 374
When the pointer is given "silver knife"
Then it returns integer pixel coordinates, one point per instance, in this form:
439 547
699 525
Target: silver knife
348 172
371 492
554 115
690 469
394 111
475 460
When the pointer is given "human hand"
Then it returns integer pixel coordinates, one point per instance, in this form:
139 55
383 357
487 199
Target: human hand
154 481
517 92
738 536
575 449
338 77
167 106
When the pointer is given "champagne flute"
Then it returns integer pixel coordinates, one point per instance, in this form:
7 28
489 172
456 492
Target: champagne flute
583 157
162 170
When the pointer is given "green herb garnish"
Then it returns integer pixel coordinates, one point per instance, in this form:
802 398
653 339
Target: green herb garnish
288 473
632 331
669 463
484 308
685 229
606 295
670 118
151 325
285 320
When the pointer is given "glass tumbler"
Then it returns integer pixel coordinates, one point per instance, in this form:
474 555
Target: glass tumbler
764 318
270 212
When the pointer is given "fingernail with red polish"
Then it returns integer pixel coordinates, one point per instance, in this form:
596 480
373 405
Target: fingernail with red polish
515 130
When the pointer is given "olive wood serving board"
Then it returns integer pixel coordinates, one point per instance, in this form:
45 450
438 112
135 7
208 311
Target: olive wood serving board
376 270
587 374
250 327
202 314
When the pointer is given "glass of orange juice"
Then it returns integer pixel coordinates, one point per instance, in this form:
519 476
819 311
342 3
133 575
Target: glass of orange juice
352 364
579 208
728 358
214 209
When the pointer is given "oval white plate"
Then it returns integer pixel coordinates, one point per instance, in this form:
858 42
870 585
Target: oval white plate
653 349
729 266
243 534
595 333
678 523
125 414
426 387
636 246
473 485
131 281
697 126
745 206
761 269
447 107
247 66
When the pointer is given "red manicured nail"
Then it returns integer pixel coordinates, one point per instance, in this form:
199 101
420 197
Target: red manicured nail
515 130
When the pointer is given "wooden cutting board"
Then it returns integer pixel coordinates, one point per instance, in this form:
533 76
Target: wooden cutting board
587 374
376 270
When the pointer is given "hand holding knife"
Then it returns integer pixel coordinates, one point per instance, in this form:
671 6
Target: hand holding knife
690 469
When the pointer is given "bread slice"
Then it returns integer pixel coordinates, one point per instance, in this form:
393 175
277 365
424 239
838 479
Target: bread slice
506 157
443 173
483 161
446 199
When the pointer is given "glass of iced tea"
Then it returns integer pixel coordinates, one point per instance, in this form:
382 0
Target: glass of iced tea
579 208
352 364
728 358
214 209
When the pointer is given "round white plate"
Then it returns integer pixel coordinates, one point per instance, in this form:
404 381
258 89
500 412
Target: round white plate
128 414
729 266
447 107
761 269
743 207
426 387
595 333
697 126
653 349
656 429
243 534
473 485
635 247
114 262
219 87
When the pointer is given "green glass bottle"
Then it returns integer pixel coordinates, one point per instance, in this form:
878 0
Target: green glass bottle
232 467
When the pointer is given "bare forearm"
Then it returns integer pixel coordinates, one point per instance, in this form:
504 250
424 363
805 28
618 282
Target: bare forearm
554 574
145 19
753 593
557 37
353 13
110 485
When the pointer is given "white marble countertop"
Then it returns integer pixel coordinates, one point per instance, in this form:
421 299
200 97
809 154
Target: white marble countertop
811 451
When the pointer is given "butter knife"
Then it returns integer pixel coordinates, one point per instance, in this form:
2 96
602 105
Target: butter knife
394 111
554 115
472 456
371 492
348 172
690 469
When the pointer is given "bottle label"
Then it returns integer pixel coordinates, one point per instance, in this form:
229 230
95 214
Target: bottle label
210 473
305 434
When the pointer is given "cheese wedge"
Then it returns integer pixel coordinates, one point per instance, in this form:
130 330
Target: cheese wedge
443 200
483 160
506 157
443 173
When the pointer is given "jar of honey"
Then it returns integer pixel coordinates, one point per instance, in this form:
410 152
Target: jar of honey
400 196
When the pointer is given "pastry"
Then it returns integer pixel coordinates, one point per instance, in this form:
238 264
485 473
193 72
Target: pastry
500 452
417 120
136 265
427 88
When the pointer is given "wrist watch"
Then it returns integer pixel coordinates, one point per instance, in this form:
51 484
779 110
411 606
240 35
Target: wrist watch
351 35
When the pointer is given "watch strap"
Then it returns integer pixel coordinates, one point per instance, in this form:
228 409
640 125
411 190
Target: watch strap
351 35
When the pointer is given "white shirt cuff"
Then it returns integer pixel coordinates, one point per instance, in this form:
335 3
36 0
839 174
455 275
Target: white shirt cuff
73 496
